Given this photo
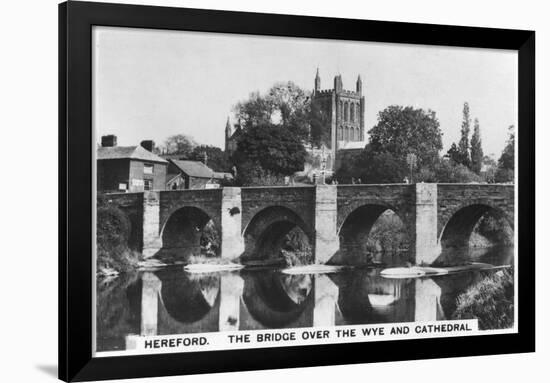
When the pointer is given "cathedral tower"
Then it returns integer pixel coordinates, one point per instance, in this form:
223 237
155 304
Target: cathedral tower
317 83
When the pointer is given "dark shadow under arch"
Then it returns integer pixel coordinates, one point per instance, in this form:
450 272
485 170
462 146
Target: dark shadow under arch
189 231
356 229
457 231
267 232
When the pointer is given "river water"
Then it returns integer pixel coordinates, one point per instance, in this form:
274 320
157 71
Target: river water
172 301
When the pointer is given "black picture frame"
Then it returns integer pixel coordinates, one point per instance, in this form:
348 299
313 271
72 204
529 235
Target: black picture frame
75 190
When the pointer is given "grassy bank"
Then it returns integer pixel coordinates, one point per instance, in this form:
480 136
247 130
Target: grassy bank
491 301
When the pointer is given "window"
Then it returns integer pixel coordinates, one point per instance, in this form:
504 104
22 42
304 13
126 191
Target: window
346 111
147 184
352 112
148 168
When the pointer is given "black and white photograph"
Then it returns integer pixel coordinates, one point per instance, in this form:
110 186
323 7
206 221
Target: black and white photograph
274 191
261 191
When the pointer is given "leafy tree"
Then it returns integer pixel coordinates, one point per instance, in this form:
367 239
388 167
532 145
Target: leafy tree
491 168
452 172
403 130
454 154
464 143
275 149
179 144
373 167
285 104
217 159
505 170
476 152
319 121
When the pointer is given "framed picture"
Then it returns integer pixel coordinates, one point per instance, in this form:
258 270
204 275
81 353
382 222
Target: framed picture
247 191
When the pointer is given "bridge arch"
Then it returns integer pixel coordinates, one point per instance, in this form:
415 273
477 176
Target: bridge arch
187 231
265 233
456 226
358 222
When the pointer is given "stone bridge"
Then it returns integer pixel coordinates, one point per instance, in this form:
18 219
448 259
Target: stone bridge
435 216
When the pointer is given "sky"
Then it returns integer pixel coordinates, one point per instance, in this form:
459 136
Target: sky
150 84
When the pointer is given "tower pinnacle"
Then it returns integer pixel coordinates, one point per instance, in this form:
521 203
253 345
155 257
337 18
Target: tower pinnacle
317 81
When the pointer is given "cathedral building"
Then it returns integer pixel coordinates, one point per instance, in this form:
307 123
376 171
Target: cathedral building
344 113
343 116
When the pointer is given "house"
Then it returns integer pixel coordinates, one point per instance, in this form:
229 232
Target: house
129 168
186 174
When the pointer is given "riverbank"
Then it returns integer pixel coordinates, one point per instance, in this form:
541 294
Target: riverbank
490 301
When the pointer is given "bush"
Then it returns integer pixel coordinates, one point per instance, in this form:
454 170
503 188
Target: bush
387 234
504 175
495 229
296 249
450 171
250 174
113 231
491 301
210 240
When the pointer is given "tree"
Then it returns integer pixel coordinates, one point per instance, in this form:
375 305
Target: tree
179 144
319 122
216 158
276 149
464 143
505 169
285 104
454 154
490 166
373 167
476 152
403 130
452 172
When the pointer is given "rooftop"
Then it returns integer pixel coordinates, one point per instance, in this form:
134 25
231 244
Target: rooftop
127 152
193 168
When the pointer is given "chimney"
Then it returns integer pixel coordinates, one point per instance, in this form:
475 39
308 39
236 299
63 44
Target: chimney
109 140
148 145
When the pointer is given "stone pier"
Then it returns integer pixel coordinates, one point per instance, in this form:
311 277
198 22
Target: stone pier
326 242
326 300
152 241
231 290
232 242
426 245
150 292
426 302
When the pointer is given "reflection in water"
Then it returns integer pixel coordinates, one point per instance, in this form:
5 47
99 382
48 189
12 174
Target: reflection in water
369 298
171 301
274 300
188 297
